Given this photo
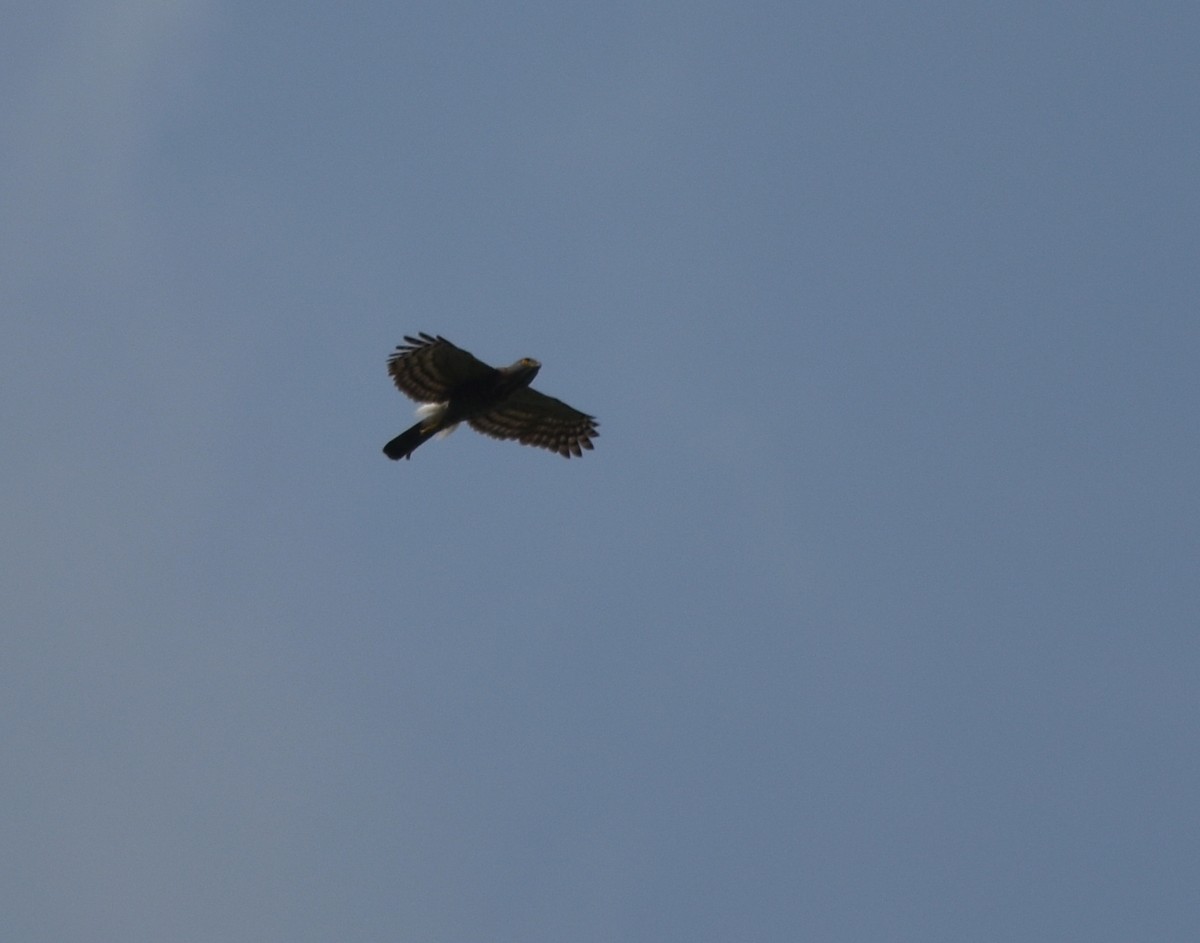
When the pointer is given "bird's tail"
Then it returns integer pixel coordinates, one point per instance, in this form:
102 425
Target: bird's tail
407 441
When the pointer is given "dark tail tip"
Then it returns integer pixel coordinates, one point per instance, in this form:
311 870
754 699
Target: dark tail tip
406 442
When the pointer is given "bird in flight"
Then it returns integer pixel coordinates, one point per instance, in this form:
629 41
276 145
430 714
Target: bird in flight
497 401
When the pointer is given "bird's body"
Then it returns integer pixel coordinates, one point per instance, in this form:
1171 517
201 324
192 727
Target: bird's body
495 401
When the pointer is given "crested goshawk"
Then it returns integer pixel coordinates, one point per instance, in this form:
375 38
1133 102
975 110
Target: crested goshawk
457 387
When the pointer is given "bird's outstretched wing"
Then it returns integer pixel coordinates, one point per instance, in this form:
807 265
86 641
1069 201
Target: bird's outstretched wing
431 369
534 418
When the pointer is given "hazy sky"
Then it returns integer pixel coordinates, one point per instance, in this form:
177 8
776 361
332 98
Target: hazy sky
874 614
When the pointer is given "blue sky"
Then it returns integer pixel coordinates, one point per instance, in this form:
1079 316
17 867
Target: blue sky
873 615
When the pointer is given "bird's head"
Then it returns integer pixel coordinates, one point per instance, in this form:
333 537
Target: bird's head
518 375
524 370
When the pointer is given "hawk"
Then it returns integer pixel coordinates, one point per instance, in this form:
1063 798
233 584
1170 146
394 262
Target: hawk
456 387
